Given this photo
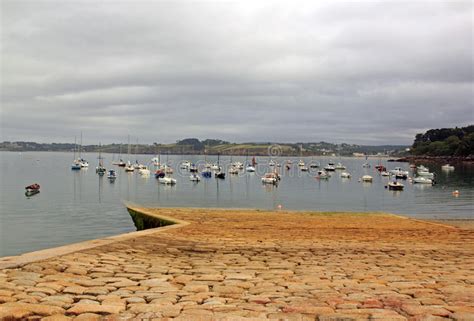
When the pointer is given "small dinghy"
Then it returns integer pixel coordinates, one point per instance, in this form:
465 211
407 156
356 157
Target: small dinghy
32 189
112 175
345 175
194 178
167 180
395 186
270 178
206 173
220 175
423 180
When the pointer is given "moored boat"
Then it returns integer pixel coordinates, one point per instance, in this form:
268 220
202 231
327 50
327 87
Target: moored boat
447 167
194 177
323 175
144 171
167 180
270 178
32 189
367 178
340 166
422 180
345 175
330 167
395 186
250 169
112 175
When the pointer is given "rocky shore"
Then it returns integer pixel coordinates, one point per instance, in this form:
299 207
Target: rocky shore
253 265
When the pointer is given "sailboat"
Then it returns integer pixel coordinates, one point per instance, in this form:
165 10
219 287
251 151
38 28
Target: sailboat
121 163
100 169
83 162
250 167
76 165
137 165
129 167
219 173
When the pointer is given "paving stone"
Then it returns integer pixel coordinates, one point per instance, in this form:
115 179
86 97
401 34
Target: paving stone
80 308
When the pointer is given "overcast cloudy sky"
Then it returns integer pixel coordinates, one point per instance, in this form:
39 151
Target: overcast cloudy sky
356 71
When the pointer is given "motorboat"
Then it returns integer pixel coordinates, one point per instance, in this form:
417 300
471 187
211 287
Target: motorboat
185 165
340 166
238 165
219 174
401 175
112 175
193 168
366 165
398 172
233 170
206 173
167 180
301 163
447 167
422 180
345 175
385 173
426 174
32 189
395 186
194 177
330 167
303 168
144 171
121 163
323 175
422 168
313 165
271 163
215 167
270 178
250 169
367 178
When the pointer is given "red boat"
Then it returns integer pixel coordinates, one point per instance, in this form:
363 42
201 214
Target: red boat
381 168
32 189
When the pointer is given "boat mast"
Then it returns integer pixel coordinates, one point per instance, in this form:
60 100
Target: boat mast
128 151
80 147
136 146
100 155
75 146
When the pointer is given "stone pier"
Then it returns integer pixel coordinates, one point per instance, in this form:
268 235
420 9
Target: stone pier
251 265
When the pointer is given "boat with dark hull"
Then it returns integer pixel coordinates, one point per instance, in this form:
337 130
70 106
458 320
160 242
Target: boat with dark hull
32 189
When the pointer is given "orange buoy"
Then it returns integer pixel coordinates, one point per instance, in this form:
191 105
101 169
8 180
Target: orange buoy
456 193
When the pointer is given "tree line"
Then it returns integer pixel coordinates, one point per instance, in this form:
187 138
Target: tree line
445 142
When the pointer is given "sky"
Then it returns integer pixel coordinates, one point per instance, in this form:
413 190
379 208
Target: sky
363 72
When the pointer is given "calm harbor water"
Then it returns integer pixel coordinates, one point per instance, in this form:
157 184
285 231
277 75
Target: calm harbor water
79 205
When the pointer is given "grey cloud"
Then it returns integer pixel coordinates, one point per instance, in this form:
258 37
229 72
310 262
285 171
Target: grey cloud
352 71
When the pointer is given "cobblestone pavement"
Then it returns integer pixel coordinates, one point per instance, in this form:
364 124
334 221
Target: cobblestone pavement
256 265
